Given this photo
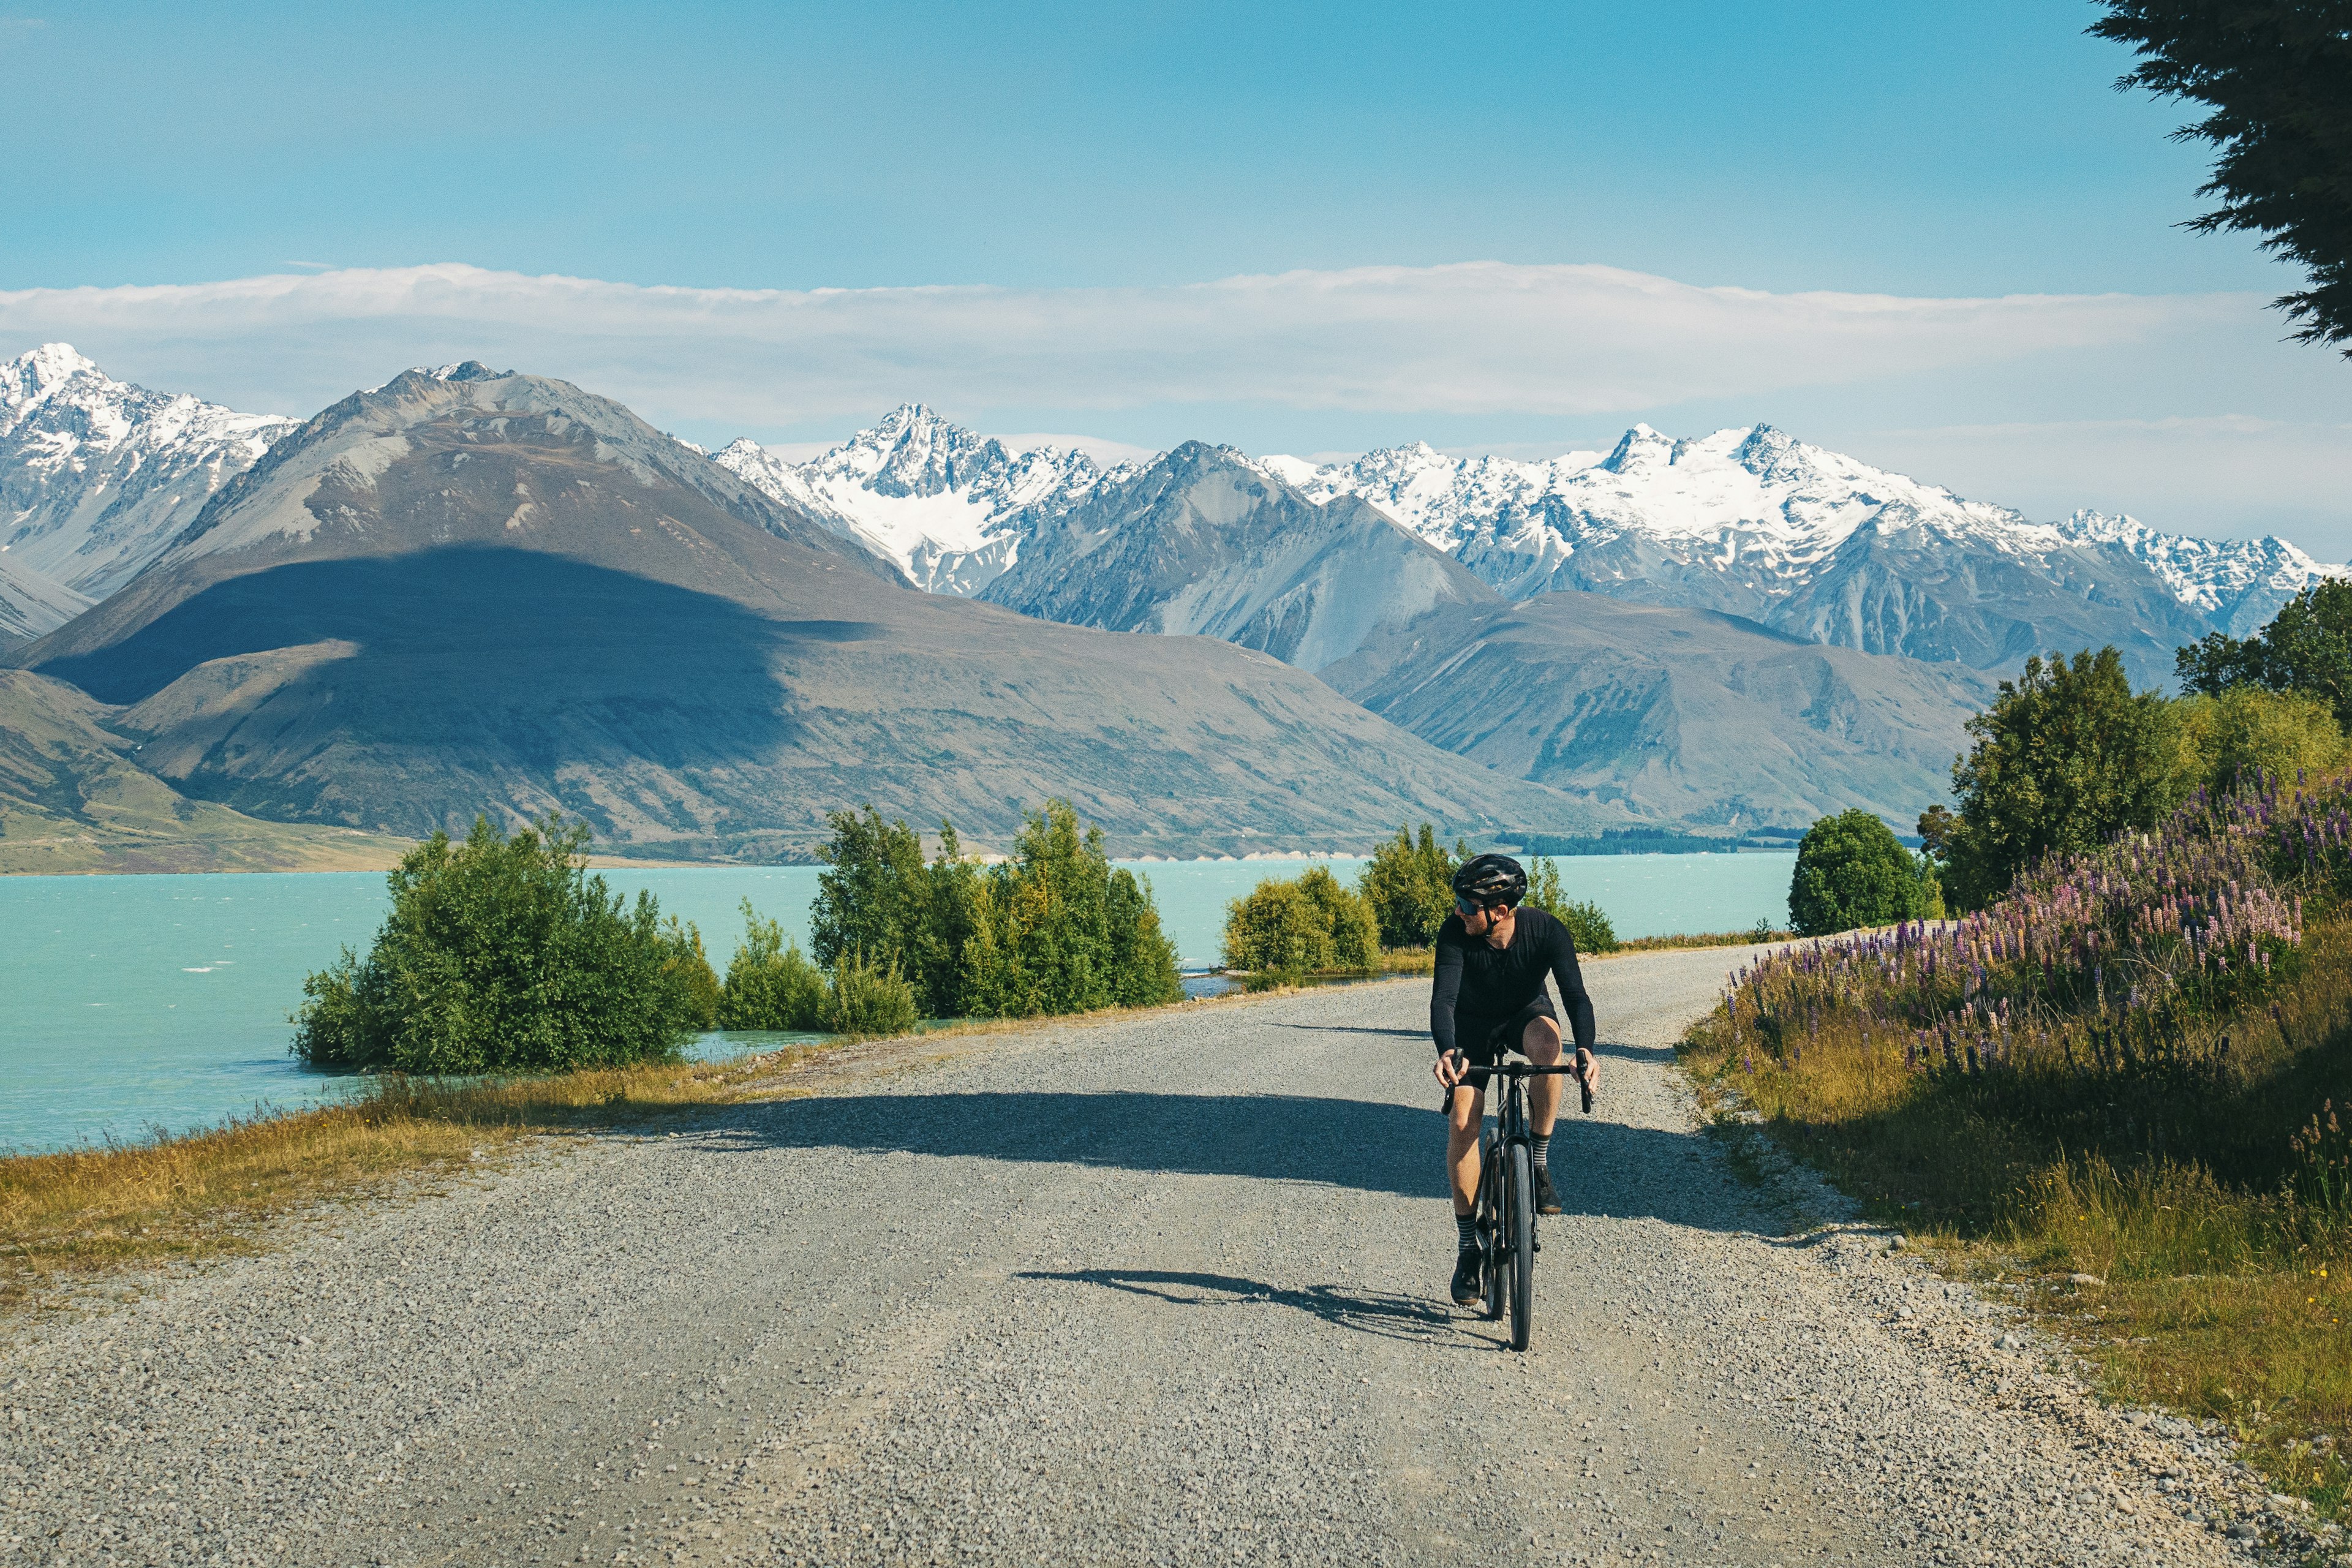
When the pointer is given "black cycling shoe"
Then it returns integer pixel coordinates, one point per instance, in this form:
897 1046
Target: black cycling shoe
1468 1278
1547 1200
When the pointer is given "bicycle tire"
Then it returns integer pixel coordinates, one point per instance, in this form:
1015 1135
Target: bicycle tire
1519 1225
1490 1223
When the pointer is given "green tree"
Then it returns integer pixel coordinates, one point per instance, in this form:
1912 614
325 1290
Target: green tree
1853 871
2273 75
1410 887
953 917
2067 755
874 895
1588 924
2306 646
2247 729
771 984
503 954
1058 929
691 966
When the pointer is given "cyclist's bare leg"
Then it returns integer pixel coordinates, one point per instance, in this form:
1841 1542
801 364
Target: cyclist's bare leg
1467 1114
1540 1044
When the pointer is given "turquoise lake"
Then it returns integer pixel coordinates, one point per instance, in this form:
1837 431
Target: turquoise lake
133 1004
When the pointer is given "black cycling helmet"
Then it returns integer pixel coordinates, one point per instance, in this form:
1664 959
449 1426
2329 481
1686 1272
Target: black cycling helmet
1490 879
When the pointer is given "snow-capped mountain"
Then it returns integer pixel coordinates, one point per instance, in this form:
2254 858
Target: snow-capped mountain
1206 542
97 476
949 507
1745 518
2237 584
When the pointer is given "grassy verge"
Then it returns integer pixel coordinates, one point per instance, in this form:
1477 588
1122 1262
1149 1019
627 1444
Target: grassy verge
69 1219
1423 960
1701 939
66 1217
2156 1222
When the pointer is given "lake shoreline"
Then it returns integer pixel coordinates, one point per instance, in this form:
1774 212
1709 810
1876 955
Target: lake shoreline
129 1003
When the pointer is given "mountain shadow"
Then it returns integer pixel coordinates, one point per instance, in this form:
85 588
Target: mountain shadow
322 681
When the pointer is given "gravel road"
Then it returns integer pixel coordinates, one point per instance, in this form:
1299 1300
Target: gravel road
1167 1290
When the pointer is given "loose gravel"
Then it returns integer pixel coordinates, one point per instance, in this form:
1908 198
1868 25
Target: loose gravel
1161 1291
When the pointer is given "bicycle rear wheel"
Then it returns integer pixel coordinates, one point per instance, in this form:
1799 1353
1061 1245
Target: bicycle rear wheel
1519 1237
1490 1220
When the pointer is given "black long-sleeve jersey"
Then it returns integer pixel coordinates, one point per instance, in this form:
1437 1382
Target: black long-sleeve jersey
1490 984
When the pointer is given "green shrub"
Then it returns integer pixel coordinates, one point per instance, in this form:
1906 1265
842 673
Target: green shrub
1587 926
1309 926
866 1000
1853 871
1276 929
769 984
2246 729
1410 887
1056 929
1354 930
504 955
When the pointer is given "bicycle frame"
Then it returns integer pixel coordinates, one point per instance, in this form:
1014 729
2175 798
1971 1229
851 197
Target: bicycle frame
1506 1209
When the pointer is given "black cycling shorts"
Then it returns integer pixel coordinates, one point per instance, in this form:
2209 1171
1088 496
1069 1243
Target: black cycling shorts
1484 1040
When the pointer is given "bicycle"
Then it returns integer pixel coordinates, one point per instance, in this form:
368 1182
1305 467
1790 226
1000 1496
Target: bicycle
1505 1214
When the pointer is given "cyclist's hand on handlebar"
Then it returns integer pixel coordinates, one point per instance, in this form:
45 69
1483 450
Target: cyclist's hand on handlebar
1451 1067
1588 1070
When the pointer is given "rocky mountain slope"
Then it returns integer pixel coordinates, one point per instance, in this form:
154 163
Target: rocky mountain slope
32 602
97 475
1692 716
470 590
1202 541
950 507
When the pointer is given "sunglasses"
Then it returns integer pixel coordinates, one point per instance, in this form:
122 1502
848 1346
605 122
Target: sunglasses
1466 908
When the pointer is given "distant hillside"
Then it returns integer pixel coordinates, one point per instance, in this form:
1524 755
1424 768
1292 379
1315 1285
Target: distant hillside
1674 714
73 798
469 590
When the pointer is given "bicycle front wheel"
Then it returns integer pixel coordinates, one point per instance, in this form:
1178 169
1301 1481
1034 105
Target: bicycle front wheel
1520 1232
1491 1221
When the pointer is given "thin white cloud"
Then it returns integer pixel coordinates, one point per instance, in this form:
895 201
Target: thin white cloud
2003 398
1101 448
1475 338
2226 474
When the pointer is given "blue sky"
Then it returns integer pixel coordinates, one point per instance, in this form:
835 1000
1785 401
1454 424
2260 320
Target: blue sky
1066 153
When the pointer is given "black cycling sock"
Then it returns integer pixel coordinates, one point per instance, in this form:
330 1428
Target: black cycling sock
1542 1149
1467 1225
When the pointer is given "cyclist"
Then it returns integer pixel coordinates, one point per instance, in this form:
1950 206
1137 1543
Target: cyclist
1489 997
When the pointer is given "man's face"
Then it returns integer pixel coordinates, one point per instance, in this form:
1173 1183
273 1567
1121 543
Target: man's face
1478 919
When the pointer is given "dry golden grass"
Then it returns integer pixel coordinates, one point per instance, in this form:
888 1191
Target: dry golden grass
2225 1298
66 1217
1698 938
